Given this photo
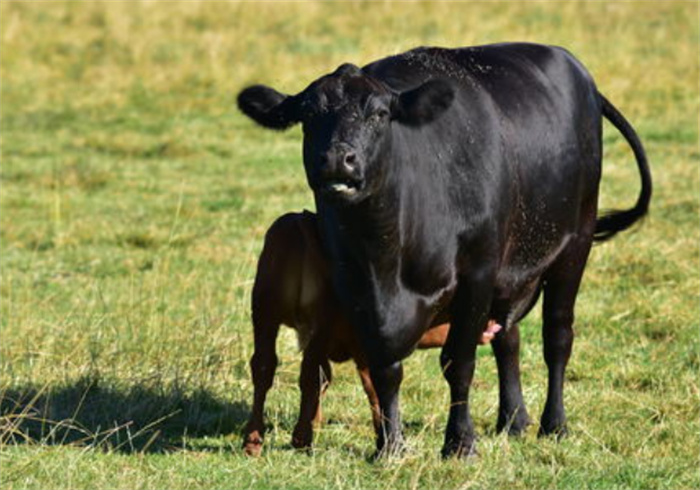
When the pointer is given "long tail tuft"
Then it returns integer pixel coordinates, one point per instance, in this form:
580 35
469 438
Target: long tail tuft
614 221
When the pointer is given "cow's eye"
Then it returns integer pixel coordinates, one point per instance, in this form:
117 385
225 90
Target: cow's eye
379 115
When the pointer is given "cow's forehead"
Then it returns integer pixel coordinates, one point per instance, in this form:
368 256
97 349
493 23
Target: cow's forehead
334 91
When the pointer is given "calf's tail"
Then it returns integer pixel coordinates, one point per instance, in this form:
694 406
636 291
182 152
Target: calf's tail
614 221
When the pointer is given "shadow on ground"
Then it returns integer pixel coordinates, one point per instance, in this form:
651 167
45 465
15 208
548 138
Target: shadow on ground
142 417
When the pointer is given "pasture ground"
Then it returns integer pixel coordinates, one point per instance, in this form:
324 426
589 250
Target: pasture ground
134 201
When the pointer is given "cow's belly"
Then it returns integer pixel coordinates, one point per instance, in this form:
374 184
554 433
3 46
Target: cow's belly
519 281
510 305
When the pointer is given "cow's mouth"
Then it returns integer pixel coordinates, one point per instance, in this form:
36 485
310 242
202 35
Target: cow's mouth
342 188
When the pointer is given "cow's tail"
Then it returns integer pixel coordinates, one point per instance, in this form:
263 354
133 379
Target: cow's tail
614 221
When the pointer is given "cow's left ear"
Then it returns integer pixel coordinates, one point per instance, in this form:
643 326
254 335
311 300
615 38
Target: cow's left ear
268 107
424 103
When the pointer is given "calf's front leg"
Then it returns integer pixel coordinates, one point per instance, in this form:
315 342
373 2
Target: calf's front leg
367 385
315 376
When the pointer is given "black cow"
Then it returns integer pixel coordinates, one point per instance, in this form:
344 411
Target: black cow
457 184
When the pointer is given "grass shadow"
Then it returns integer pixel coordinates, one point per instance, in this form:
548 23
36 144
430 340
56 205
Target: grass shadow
142 417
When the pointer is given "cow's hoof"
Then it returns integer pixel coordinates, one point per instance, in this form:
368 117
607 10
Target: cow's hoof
252 444
394 449
514 423
389 453
460 449
558 431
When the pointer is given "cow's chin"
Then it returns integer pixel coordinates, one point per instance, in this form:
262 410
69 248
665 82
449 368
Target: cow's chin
342 192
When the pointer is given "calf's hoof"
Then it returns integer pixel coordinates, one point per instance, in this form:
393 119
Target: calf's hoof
302 440
252 444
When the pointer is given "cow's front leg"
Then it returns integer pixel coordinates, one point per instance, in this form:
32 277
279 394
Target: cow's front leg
512 415
458 370
387 381
458 360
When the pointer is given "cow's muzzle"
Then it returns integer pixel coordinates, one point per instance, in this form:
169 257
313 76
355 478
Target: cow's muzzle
341 188
340 173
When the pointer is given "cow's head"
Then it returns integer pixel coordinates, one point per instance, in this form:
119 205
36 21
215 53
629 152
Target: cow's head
346 117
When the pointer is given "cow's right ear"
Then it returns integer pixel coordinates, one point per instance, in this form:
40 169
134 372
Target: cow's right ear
423 104
267 107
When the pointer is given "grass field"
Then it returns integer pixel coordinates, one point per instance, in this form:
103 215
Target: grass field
134 201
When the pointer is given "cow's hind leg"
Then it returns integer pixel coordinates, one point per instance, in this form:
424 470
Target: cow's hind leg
512 415
315 376
561 284
263 365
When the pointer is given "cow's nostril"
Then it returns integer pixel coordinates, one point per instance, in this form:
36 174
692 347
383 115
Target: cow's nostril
350 158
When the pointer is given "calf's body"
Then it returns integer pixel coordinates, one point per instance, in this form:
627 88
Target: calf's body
293 287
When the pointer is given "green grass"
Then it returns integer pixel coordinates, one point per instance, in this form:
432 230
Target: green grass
134 199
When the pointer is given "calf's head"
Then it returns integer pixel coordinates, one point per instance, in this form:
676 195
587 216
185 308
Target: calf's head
347 119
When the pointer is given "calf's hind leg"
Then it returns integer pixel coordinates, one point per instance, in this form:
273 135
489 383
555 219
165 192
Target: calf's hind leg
263 365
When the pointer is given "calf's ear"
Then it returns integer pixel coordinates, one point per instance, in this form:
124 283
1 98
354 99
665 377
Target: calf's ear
423 104
267 107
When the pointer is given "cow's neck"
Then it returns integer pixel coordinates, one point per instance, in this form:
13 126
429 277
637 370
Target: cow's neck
373 233
368 232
